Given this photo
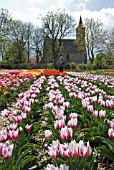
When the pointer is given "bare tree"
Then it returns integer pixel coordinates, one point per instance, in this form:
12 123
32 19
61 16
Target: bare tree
29 38
38 43
109 47
5 20
95 37
112 39
18 37
57 26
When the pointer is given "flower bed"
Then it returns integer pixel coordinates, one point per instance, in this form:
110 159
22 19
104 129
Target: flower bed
74 115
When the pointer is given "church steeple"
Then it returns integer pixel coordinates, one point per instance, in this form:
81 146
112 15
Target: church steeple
80 38
80 21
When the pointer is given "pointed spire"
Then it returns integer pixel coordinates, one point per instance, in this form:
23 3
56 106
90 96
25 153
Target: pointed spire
80 21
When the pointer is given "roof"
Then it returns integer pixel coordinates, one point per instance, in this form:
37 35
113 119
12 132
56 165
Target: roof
80 21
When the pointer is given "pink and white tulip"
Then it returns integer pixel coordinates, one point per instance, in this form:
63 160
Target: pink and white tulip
28 128
102 114
111 133
13 134
95 113
58 124
6 150
65 150
3 135
17 119
84 151
74 148
73 123
66 133
48 133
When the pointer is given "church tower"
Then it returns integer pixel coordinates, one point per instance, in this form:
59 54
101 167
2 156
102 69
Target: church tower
80 39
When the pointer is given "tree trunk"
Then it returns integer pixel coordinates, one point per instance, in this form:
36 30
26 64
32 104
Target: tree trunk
19 59
2 56
55 59
28 53
28 57
37 60
55 62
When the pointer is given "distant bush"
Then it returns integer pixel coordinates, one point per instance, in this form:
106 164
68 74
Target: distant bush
67 66
87 66
82 66
50 65
73 65
104 61
5 65
27 66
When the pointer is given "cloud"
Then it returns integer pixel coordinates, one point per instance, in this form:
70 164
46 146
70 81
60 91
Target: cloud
33 12
97 5
106 16
80 6
33 2
62 3
31 16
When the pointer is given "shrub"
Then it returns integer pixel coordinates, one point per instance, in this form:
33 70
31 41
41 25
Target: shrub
67 66
50 65
27 66
82 66
5 65
73 65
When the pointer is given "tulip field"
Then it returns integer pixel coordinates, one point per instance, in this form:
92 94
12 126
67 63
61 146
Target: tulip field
56 121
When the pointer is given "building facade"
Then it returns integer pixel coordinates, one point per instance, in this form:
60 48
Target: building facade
73 50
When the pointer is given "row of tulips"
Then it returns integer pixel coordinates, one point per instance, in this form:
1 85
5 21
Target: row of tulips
16 135
104 82
97 107
15 71
65 147
103 100
14 82
11 85
101 79
16 77
95 100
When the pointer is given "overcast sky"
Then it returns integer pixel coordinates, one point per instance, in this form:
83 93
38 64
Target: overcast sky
30 10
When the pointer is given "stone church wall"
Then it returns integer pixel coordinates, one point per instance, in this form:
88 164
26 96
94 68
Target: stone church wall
73 50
